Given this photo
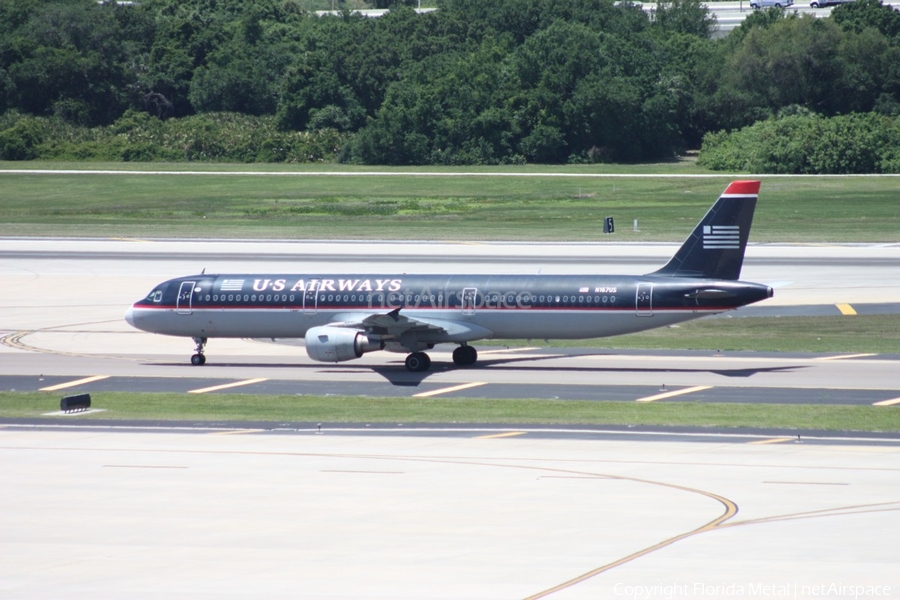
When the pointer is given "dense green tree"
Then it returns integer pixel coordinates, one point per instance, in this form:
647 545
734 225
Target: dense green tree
793 61
474 82
71 59
864 14
683 16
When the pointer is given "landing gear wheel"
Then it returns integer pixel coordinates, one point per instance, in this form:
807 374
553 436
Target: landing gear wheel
465 356
418 362
199 359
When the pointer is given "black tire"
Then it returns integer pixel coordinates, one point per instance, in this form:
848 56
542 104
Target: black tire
473 355
465 356
418 362
460 356
198 360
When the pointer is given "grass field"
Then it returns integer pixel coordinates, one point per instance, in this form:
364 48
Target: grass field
408 204
857 334
346 409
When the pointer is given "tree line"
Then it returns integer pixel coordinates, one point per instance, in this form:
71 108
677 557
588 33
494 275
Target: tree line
500 82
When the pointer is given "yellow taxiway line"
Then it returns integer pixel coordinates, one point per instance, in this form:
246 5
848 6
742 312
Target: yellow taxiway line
500 435
887 402
690 390
846 309
777 440
845 356
455 388
71 384
226 386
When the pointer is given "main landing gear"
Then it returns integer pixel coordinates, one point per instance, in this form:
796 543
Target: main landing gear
463 356
418 362
199 358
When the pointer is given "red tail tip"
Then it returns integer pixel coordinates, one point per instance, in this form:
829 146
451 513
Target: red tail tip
743 188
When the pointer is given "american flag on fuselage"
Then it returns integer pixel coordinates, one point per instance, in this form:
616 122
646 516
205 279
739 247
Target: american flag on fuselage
232 285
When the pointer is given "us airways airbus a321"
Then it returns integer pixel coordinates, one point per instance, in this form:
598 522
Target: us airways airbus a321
343 316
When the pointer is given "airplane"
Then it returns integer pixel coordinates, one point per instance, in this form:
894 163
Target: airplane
341 317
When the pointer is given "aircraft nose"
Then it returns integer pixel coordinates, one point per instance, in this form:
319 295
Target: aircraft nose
129 316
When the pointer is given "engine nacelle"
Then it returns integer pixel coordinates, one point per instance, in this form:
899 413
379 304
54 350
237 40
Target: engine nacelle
337 344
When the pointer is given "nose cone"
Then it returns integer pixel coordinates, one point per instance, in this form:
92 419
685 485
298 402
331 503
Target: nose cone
129 317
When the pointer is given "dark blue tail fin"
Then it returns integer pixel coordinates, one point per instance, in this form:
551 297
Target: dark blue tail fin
715 249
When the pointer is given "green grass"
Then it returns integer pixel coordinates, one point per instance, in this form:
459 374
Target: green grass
861 333
343 409
451 207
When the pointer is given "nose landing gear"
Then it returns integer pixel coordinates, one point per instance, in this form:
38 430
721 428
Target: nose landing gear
199 358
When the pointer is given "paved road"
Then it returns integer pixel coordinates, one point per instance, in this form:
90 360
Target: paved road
152 515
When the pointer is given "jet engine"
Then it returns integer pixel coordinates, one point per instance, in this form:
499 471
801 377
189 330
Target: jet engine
336 344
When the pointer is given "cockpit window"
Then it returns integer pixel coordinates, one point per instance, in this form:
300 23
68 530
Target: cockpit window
155 296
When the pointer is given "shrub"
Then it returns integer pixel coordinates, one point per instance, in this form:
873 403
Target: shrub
808 144
136 136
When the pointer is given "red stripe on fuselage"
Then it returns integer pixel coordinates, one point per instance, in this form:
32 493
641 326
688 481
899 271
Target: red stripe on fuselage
376 310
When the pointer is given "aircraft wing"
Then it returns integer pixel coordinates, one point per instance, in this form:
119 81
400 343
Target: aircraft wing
393 325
